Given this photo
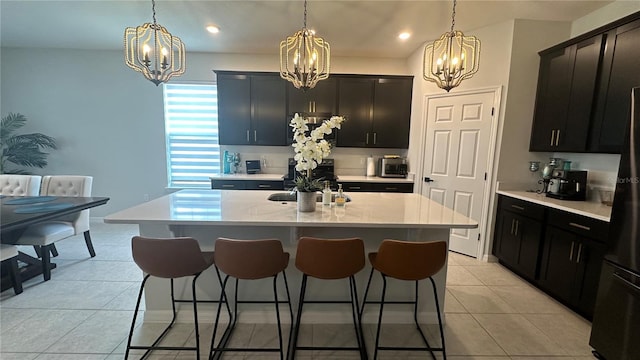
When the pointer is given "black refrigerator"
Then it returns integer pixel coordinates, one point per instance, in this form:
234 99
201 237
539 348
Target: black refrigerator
615 331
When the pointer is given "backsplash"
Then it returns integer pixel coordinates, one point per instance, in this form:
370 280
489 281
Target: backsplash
603 169
273 159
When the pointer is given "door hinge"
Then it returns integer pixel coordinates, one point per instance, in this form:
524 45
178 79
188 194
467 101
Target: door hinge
493 111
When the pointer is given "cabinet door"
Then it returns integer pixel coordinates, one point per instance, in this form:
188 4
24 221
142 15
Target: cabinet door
320 99
619 75
234 109
589 258
581 100
558 266
355 103
507 244
530 234
552 99
391 113
268 108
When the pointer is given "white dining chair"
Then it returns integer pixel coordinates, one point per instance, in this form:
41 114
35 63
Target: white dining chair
20 185
45 235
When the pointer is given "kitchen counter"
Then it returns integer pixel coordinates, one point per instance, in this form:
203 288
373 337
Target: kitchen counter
590 209
259 176
207 215
372 179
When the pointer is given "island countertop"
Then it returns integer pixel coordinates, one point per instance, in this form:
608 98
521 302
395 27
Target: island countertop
251 208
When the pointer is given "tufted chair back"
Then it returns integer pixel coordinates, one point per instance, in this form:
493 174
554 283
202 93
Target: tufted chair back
20 185
70 185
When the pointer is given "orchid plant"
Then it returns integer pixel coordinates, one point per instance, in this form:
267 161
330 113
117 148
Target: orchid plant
311 149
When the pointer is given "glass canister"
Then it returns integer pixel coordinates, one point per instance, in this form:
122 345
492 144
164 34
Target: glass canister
566 165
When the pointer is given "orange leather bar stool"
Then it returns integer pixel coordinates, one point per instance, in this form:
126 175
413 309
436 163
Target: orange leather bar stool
410 261
329 259
249 260
169 259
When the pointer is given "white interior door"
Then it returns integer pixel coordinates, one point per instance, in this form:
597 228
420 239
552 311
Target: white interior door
456 157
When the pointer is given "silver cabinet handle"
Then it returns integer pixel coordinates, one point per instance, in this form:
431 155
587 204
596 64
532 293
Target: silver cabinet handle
264 186
354 187
583 227
255 135
557 137
517 226
513 221
228 186
310 106
553 135
247 135
571 253
367 142
579 253
517 207
375 138
391 188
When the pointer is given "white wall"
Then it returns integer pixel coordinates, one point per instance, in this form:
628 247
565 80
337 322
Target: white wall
108 120
614 11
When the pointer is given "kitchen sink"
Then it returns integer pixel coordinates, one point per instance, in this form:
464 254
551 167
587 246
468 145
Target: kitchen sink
286 196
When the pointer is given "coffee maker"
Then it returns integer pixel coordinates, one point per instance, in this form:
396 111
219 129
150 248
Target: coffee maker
568 185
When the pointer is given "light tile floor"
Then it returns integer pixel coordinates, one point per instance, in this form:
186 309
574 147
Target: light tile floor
84 312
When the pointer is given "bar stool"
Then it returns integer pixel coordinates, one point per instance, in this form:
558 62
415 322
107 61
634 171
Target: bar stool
330 259
169 259
410 261
249 260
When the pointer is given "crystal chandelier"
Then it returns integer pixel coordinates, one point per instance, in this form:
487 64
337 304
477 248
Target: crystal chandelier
153 51
304 57
452 58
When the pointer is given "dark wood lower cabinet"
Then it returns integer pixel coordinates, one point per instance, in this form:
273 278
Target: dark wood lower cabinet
570 269
559 252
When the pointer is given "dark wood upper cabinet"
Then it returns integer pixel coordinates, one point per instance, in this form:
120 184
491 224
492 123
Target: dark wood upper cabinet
620 73
584 90
377 111
320 99
251 109
564 100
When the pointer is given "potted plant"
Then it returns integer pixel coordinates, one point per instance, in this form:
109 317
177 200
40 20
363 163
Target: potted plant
22 149
310 150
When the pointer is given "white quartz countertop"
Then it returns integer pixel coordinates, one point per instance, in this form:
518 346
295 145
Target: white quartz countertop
259 176
590 209
251 208
372 179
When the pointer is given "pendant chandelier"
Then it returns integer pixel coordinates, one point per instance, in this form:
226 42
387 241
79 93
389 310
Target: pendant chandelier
452 58
304 57
153 51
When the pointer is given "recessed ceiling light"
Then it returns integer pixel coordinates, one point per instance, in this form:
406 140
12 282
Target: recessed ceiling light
213 29
404 36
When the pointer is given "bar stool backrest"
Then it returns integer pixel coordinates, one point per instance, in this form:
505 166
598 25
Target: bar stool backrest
330 258
250 259
168 258
409 260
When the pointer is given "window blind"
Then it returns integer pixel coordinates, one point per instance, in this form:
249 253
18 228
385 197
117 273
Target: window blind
191 131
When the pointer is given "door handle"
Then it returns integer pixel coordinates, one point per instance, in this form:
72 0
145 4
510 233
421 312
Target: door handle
255 135
579 253
367 142
428 179
557 137
513 221
247 135
375 138
517 226
571 253
553 135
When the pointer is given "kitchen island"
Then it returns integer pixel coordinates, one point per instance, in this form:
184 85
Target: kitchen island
208 214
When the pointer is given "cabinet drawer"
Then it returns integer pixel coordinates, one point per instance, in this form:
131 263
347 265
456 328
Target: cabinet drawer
522 207
581 225
227 184
357 187
393 187
264 185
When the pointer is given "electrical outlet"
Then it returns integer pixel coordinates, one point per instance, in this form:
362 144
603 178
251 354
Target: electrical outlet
145 197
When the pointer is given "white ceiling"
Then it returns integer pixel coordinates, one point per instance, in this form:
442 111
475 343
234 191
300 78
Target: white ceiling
353 28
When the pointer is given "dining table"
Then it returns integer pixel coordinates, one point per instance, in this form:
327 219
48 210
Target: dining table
17 213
